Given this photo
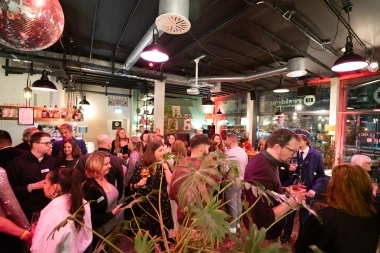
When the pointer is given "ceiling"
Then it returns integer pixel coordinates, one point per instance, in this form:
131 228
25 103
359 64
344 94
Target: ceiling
238 38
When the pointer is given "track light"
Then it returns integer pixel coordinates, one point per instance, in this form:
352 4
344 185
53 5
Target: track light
155 52
281 87
349 61
44 84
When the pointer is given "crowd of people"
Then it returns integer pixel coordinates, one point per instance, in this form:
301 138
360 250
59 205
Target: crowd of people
54 187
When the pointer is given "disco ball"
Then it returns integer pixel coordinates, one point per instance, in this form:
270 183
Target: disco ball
30 25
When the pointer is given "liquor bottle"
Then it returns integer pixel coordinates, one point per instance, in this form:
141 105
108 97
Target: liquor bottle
70 112
63 113
44 112
56 112
51 113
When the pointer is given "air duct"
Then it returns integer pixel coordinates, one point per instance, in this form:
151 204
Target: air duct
299 61
173 16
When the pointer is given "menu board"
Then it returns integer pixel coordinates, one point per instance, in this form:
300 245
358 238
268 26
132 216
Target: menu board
25 116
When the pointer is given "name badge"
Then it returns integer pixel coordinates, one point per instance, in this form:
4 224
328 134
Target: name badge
99 199
45 170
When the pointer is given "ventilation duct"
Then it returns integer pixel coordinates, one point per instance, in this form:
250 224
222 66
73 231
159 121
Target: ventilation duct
173 16
299 61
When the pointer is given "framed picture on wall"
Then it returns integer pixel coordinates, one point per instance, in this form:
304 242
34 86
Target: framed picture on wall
25 116
116 125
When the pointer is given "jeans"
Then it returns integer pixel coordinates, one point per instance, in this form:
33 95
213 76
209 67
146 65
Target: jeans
232 197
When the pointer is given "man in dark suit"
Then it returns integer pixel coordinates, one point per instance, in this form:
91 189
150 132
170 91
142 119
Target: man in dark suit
7 152
25 145
66 131
311 174
115 176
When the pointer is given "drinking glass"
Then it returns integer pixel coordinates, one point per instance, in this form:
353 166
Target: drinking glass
35 218
144 174
294 162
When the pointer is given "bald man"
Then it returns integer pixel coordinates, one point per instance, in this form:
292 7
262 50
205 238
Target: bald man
115 176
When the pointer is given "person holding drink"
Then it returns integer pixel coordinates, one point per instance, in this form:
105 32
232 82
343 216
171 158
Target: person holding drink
147 177
311 176
120 144
263 168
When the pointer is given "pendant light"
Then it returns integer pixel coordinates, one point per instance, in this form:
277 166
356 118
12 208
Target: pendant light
155 52
219 112
279 113
349 61
208 101
281 87
84 100
27 91
44 84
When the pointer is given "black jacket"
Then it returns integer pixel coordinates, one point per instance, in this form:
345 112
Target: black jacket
115 176
8 154
93 191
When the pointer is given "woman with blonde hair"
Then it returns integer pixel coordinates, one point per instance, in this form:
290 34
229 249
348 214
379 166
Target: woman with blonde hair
350 222
363 161
120 144
104 209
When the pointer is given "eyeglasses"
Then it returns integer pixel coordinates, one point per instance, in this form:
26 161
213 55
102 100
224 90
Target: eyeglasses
291 150
46 143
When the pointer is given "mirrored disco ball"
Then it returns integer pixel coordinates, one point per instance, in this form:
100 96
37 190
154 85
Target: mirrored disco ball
30 25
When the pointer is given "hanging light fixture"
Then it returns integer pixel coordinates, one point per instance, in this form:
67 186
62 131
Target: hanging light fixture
155 52
44 84
279 113
84 101
219 112
208 101
281 87
349 61
27 91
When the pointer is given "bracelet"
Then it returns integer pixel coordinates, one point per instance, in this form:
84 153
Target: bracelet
26 232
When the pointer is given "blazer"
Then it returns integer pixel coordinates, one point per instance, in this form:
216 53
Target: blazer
312 170
93 191
115 176
68 238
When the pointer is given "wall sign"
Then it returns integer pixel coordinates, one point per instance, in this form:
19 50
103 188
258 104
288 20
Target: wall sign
116 125
309 100
117 101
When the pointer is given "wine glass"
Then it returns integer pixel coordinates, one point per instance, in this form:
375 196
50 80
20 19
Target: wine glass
35 218
294 162
144 174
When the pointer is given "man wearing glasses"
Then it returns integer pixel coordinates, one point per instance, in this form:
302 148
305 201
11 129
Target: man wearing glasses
263 168
27 174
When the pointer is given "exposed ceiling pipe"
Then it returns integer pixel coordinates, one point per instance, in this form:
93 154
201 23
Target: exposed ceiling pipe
238 79
145 41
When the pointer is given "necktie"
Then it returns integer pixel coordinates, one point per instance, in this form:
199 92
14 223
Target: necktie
301 156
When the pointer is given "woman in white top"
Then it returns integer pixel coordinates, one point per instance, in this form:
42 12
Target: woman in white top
63 187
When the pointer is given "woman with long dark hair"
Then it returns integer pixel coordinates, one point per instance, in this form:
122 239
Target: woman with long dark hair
350 222
63 187
170 141
120 144
144 141
69 154
147 178
217 143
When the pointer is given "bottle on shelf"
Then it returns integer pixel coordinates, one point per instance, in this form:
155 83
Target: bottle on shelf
70 111
63 113
44 112
50 113
57 114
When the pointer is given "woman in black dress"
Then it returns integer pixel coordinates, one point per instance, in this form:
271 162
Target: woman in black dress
120 144
145 183
69 154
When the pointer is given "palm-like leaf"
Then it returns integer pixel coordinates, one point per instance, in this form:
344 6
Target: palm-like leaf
210 222
144 243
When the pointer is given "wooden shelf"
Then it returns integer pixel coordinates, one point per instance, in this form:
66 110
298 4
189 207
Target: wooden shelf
8 118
